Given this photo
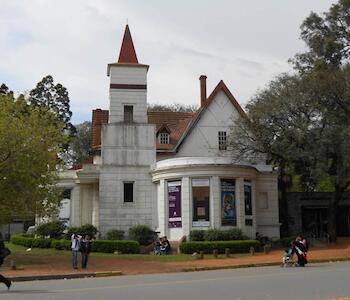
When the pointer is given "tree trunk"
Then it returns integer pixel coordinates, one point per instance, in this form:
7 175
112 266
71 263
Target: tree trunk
332 221
332 214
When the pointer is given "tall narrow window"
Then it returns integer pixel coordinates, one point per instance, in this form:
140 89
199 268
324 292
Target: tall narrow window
128 192
200 195
163 138
128 113
222 140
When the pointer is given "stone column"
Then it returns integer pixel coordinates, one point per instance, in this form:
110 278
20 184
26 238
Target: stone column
162 219
215 204
95 206
240 203
186 206
75 219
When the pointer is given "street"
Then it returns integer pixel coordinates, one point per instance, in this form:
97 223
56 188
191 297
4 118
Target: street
316 281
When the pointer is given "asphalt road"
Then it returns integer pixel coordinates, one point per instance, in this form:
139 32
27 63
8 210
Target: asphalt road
316 281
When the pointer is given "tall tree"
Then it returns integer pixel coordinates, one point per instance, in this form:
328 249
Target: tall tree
55 98
4 90
29 143
80 144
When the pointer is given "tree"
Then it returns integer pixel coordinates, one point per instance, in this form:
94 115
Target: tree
81 143
327 37
293 123
176 107
54 97
4 90
29 143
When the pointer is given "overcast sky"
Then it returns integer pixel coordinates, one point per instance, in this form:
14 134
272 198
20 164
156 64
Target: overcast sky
244 42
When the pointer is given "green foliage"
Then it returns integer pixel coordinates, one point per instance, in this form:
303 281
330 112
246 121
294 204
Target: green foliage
29 143
325 184
143 234
52 229
112 246
115 234
21 240
61 244
54 98
86 229
208 247
196 235
96 245
216 235
80 144
175 107
286 241
223 235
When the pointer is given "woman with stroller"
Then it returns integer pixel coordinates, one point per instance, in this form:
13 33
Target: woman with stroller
300 250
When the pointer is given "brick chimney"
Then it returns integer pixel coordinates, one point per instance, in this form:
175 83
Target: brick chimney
203 82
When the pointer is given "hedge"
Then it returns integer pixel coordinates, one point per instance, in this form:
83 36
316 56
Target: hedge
208 247
22 240
104 246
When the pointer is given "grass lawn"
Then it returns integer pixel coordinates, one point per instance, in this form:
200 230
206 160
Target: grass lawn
36 255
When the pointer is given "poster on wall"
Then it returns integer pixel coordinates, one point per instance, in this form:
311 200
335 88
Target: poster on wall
228 203
174 198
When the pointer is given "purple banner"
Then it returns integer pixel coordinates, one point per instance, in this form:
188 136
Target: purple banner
174 198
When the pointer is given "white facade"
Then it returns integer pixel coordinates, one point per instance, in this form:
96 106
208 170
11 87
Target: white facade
197 181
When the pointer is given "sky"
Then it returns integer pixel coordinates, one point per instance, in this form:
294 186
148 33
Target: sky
246 43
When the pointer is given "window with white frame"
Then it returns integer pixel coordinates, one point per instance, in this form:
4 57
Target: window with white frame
222 138
163 138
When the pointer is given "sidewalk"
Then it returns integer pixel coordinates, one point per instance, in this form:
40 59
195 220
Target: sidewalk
60 267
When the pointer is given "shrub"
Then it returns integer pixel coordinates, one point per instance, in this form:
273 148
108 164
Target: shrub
286 241
41 243
18 239
143 234
223 235
61 244
112 246
82 230
52 229
115 234
208 247
196 235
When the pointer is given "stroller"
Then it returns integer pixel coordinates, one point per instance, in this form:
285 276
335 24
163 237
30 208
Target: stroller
287 258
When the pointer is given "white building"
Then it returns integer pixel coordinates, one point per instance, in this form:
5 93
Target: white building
169 170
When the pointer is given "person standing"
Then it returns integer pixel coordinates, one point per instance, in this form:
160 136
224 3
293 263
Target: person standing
3 253
85 249
75 248
300 251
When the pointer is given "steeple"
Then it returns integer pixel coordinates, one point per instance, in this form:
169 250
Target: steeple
127 51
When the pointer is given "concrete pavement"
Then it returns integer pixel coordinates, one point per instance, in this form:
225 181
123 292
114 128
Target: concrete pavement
316 281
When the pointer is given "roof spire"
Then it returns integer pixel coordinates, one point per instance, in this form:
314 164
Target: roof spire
127 51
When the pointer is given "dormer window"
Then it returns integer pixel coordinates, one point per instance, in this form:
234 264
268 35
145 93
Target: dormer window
163 138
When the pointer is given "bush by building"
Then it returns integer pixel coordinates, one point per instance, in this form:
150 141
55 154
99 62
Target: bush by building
115 234
143 234
208 247
86 229
52 229
232 234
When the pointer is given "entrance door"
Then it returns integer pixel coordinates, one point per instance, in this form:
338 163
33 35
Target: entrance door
343 221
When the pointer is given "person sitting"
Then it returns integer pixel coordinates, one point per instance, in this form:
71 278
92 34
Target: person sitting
156 247
165 246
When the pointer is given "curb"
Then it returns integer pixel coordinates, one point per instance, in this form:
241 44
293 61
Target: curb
65 276
267 264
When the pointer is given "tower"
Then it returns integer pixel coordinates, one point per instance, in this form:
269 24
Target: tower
127 146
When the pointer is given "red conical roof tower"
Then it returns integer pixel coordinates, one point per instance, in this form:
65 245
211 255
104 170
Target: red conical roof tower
127 51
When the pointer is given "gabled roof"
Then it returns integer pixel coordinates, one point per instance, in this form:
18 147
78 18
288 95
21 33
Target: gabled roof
127 50
164 128
176 122
221 86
